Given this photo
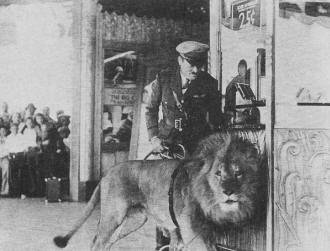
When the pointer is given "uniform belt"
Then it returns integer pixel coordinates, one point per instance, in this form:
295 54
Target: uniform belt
179 104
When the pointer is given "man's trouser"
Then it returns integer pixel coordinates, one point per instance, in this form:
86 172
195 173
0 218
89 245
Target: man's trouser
4 166
16 174
34 168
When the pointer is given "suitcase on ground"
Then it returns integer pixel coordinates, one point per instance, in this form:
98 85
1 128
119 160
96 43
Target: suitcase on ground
56 189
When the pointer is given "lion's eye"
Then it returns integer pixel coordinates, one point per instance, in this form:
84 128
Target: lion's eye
218 173
236 168
238 174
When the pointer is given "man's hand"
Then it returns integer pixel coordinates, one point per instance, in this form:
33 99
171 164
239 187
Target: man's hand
157 146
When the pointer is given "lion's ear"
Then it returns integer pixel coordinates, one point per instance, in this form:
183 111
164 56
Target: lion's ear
194 163
194 166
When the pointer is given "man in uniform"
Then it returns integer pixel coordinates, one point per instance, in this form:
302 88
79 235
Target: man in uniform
189 98
190 103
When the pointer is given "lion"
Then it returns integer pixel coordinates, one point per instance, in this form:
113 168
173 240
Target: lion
222 184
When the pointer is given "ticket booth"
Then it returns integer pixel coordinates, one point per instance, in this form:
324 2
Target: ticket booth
241 58
285 46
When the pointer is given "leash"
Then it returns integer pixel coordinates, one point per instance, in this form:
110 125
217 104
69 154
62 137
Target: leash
169 153
170 194
173 176
173 217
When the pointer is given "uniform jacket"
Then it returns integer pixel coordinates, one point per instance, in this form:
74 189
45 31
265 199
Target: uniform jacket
201 99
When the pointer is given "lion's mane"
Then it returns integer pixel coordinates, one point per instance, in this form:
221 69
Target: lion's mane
209 217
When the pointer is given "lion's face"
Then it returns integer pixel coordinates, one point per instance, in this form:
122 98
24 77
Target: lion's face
231 182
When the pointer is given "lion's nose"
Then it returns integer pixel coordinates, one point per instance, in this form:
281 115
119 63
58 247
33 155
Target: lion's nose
228 192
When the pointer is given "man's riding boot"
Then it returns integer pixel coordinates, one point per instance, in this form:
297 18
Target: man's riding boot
161 240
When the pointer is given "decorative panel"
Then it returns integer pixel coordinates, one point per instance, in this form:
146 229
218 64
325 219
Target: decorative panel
193 10
302 190
151 30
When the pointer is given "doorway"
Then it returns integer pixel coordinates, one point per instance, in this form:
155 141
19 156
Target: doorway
119 99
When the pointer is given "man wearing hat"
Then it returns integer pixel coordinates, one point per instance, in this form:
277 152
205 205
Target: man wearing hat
5 115
190 103
29 110
46 113
189 98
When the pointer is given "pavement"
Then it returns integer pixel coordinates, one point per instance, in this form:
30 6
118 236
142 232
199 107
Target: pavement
30 225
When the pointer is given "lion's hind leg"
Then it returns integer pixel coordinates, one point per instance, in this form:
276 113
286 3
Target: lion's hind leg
113 213
135 219
115 225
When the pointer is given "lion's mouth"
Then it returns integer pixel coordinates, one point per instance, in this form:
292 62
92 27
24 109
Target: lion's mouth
230 201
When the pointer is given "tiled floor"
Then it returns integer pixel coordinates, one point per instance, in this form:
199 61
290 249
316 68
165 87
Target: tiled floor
30 225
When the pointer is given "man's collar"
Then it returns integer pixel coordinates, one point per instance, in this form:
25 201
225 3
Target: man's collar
184 81
183 78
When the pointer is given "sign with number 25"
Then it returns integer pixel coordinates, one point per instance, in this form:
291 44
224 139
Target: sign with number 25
245 12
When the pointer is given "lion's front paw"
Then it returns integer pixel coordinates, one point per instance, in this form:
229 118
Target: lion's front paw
176 246
176 243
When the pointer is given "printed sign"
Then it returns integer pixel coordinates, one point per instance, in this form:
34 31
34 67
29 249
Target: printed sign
119 96
245 12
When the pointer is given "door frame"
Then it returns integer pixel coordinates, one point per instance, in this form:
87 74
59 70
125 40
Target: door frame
216 71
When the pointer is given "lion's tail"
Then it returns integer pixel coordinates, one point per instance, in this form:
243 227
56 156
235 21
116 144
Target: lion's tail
62 241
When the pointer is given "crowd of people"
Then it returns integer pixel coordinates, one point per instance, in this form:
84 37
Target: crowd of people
32 147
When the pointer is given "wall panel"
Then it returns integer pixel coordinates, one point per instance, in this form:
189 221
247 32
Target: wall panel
302 183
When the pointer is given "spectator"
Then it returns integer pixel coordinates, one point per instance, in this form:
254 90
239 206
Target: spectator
59 113
14 141
29 111
5 115
16 118
46 113
2 124
47 135
62 153
30 134
4 163
16 149
62 119
3 135
63 133
33 178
